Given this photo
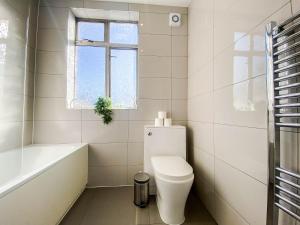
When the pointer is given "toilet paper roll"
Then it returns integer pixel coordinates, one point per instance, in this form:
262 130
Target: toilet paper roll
168 122
159 122
162 115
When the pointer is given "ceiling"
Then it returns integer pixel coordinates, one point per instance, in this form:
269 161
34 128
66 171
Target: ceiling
183 3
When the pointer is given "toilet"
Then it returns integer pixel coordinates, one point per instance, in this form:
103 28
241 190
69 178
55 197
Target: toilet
171 176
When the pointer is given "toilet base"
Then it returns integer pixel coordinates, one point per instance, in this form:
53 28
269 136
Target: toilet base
171 199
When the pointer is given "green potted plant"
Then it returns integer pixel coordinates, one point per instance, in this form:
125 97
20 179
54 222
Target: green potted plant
103 108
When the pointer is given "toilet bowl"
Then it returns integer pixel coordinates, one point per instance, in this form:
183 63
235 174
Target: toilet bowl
174 178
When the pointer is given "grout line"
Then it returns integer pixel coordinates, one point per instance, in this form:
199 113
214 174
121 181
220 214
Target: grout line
213 82
229 205
227 124
53 28
241 171
114 186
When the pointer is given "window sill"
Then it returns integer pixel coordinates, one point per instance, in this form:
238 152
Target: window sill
92 108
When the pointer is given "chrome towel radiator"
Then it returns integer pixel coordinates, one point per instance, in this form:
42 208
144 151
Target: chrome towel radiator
283 84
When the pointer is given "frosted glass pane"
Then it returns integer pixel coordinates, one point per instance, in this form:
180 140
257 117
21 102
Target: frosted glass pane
123 33
91 31
90 75
123 78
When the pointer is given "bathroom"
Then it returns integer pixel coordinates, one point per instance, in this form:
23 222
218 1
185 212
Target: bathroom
96 94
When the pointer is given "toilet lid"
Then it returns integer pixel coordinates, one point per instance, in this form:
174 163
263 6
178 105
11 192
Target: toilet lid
172 167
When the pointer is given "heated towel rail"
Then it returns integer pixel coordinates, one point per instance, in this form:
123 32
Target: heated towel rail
283 84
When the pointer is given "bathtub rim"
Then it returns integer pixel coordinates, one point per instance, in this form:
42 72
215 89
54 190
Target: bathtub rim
15 184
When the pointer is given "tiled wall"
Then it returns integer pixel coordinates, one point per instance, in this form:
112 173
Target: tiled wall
116 150
17 61
227 114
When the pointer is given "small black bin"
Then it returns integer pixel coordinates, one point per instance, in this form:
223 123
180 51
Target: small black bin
141 189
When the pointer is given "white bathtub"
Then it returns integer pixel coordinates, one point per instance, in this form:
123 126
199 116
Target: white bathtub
39 184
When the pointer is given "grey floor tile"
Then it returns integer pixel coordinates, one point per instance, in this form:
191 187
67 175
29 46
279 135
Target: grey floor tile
195 212
114 206
77 212
153 212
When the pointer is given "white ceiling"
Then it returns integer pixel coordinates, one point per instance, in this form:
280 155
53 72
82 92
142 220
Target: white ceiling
183 3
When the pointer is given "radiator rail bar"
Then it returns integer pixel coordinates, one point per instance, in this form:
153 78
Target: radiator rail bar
283 65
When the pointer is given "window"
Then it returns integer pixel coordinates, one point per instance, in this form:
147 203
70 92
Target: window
106 62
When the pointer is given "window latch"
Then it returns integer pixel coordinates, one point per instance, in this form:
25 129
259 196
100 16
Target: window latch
88 40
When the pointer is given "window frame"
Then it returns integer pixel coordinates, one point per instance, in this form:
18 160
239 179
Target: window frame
108 47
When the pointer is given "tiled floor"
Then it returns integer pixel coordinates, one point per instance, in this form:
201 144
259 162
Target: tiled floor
114 206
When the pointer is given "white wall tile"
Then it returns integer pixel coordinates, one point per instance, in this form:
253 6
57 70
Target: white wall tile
179 46
205 191
179 109
200 32
155 88
31 59
55 109
154 23
179 122
97 132
53 17
179 88
16 73
202 136
12 82
295 6
154 66
147 109
92 4
135 153
10 109
244 148
179 67
11 135
155 45
157 8
242 17
226 215
28 108
200 52
51 62
136 130
28 129
242 104
29 84
200 108
52 40
107 176
62 3
57 132
232 185
118 114
203 164
113 154
200 81
240 62
53 86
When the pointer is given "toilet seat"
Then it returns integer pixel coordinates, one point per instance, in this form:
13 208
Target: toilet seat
172 168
